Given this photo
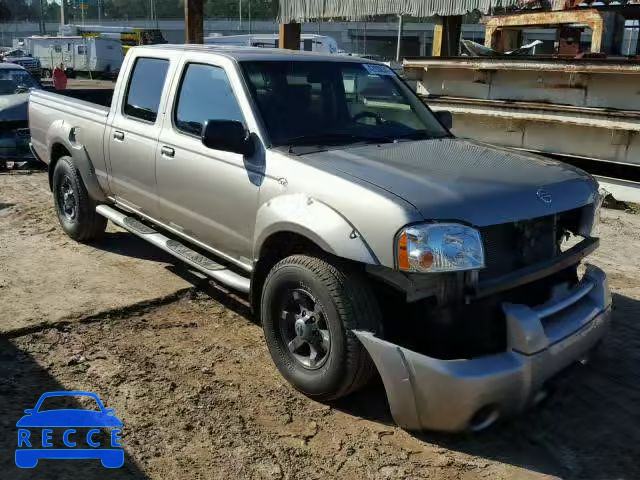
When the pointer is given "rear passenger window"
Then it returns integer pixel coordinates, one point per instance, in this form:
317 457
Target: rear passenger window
145 88
205 94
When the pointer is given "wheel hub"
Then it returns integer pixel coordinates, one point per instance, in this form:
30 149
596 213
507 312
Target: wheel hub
68 199
304 329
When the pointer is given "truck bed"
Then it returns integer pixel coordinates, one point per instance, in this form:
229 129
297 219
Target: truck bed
99 96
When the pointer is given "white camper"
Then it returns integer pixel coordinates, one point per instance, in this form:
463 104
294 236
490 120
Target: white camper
308 42
100 56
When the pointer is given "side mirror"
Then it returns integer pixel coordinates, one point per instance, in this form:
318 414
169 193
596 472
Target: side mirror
109 411
446 119
29 411
228 136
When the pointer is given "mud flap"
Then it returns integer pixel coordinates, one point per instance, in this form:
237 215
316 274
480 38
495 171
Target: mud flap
398 379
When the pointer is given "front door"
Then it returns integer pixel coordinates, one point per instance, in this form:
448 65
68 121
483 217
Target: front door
206 194
133 137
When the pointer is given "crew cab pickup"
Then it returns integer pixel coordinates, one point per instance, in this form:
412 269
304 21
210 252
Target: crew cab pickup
367 237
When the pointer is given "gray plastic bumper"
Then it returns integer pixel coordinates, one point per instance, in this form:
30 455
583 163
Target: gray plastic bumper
426 393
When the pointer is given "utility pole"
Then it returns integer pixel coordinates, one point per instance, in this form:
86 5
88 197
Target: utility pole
62 7
399 46
99 12
193 21
43 28
240 14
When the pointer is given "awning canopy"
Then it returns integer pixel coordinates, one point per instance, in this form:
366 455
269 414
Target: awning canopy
306 10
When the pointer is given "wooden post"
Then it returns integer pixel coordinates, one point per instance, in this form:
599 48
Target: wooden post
193 21
506 40
446 36
289 36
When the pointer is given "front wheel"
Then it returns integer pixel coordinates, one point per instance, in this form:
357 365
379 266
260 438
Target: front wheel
76 210
309 308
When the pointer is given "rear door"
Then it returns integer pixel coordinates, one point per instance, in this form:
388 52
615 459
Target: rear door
134 132
208 195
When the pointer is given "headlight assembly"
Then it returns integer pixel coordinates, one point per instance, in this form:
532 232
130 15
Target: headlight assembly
591 216
439 247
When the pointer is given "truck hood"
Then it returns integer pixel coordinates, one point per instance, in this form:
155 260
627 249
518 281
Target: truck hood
14 107
466 181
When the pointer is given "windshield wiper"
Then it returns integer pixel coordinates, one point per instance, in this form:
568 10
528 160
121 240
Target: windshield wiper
334 138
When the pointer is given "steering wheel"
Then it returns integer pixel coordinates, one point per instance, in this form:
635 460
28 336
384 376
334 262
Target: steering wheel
366 114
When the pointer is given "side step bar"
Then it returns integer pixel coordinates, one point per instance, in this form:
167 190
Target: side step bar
218 272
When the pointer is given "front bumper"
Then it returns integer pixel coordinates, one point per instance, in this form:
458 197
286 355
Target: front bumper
426 393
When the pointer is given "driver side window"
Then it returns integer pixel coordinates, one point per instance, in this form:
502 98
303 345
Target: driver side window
205 94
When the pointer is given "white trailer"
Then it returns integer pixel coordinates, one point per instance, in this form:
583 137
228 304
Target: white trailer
100 56
308 42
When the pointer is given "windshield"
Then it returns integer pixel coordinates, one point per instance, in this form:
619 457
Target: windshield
15 81
336 103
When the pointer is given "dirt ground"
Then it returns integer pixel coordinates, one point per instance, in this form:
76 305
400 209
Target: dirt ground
185 368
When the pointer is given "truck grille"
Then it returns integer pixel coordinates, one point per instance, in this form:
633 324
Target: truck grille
512 246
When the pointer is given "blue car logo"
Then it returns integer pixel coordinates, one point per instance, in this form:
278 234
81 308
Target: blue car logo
35 432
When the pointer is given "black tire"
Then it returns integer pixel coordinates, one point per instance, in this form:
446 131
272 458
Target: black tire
77 214
346 303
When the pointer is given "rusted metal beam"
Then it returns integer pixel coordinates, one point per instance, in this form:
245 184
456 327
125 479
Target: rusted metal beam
289 36
193 21
591 18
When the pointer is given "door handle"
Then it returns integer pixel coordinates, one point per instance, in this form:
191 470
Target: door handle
118 135
168 151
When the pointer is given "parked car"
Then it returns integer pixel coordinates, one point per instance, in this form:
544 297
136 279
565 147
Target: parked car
22 58
15 86
366 236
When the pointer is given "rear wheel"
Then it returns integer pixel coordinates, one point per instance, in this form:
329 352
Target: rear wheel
76 210
310 307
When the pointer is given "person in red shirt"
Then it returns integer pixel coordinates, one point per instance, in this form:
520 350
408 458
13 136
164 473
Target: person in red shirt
59 78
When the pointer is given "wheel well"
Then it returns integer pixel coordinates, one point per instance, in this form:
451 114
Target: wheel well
276 247
57 151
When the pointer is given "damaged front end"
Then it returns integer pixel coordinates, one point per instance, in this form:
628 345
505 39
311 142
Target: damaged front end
464 349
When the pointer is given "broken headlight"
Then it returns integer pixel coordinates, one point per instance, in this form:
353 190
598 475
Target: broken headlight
591 216
439 247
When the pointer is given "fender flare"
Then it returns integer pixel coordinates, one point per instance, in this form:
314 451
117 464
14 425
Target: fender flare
315 220
61 133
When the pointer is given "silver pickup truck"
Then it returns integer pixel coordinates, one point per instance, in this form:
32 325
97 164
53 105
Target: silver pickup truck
366 236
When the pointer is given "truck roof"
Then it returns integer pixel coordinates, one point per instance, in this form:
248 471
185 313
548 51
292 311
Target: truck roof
241 53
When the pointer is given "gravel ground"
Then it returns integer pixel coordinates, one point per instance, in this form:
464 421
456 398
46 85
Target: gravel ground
185 367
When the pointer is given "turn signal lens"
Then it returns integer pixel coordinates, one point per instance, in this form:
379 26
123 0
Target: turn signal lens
403 253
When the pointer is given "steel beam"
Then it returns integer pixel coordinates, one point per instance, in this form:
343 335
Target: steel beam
592 18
